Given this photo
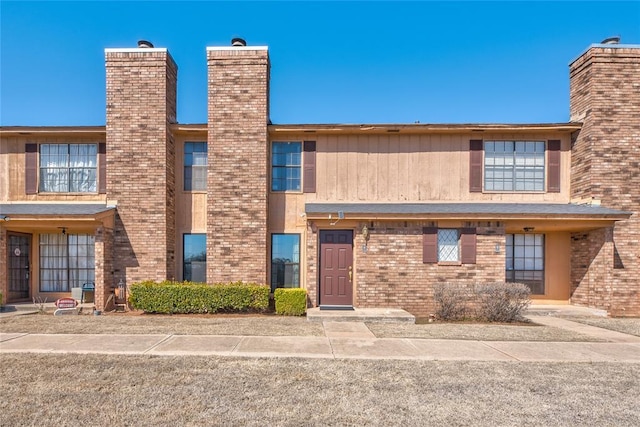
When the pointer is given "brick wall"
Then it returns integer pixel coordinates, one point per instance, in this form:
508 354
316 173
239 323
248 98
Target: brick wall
141 103
391 273
605 96
237 197
103 266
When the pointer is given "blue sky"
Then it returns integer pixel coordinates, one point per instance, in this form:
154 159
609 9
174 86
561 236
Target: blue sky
331 62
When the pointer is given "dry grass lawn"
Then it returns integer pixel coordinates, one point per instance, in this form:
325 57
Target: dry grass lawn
480 332
265 325
72 390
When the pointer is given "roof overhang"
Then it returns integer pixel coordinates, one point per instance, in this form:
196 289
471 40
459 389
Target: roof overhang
64 212
467 211
422 128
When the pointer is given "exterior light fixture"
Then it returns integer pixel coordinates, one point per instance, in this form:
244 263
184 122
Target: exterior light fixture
528 229
365 237
496 249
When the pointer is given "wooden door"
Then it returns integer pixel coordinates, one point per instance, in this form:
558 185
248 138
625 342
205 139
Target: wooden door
18 255
336 268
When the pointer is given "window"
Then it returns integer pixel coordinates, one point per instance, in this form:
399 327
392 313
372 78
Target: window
195 166
285 261
525 260
449 245
194 254
448 248
68 168
514 165
66 261
285 171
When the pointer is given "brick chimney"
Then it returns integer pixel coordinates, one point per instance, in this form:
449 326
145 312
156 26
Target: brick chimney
605 166
238 146
141 104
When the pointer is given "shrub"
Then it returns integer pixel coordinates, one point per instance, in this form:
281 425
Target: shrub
451 300
502 302
188 297
290 301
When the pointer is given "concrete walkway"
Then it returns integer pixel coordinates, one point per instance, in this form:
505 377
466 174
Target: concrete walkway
342 340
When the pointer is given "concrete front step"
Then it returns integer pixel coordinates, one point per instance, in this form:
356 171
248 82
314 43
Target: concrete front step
382 315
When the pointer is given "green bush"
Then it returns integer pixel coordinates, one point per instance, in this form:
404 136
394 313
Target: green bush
290 301
188 297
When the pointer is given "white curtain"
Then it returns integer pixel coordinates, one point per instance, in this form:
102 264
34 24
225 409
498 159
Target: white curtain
54 266
68 168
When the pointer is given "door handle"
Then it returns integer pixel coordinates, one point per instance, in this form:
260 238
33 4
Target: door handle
350 273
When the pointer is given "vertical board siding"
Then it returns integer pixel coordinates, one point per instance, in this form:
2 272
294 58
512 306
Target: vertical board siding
397 168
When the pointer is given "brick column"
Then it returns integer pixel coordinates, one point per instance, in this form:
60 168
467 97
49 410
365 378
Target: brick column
141 105
237 204
103 267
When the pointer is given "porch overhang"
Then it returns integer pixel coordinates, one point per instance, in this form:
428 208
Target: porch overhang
30 214
589 216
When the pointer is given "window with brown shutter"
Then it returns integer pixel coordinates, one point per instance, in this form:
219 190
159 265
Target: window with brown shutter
31 169
309 167
553 169
475 166
429 245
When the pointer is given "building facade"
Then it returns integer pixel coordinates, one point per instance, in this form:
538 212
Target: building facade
359 215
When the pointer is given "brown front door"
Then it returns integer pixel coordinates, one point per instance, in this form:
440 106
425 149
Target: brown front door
18 253
336 267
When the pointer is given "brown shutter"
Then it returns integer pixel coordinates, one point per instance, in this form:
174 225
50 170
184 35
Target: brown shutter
429 245
309 166
468 246
553 169
31 169
102 168
475 165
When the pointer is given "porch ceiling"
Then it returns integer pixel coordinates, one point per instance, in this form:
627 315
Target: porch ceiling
476 211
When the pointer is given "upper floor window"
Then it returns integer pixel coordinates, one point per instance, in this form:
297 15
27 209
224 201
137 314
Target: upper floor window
514 165
195 166
285 166
68 168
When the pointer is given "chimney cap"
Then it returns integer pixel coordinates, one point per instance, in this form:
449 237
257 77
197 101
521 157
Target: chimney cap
145 44
238 42
611 40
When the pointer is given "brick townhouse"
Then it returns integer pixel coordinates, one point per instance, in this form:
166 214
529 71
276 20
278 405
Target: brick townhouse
359 215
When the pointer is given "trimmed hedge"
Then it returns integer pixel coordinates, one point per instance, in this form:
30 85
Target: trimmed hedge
187 297
492 302
290 301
